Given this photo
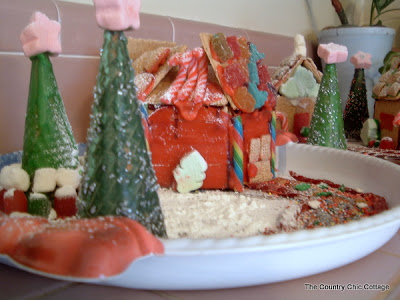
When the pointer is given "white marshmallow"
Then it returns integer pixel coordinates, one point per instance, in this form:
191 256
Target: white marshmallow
14 176
68 177
44 180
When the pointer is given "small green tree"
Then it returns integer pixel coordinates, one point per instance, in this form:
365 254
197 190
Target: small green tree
118 177
356 110
327 127
48 137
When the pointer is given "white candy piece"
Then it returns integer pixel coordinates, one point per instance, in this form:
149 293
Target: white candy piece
44 180
52 215
65 191
362 204
68 177
190 173
315 204
300 47
13 176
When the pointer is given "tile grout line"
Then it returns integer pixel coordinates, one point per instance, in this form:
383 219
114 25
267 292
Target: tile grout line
61 55
388 253
165 295
51 291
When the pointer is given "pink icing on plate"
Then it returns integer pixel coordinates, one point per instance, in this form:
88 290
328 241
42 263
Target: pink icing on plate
117 15
41 35
361 60
332 53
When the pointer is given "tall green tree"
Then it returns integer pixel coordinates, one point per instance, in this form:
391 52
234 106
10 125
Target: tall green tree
356 110
48 137
327 128
118 177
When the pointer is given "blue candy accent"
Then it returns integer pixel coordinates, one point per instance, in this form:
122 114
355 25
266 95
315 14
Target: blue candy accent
255 55
259 96
253 73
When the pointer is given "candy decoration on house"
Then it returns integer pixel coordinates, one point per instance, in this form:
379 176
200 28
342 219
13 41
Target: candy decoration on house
327 128
118 177
240 72
190 173
189 87
48 137
237 136
356 110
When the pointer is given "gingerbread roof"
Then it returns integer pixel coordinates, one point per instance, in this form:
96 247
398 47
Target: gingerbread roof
149 62
388 87
289 65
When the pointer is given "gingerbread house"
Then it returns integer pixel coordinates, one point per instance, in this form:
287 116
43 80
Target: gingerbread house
387 95
217 100
297 82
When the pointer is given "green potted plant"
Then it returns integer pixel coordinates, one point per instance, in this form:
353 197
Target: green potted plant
374 38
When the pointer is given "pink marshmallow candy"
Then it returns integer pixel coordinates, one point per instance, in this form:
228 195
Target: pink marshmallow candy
41 35
332 53
361 60
117 15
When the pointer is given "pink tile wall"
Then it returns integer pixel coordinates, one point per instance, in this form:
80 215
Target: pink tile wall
76 68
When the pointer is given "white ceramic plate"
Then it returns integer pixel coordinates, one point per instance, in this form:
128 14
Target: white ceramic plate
237 262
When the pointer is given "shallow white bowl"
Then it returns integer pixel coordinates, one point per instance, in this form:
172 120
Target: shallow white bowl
237 262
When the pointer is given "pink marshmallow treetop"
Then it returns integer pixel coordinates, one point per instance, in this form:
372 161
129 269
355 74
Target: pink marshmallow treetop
117 15
361 60
332 53
41 35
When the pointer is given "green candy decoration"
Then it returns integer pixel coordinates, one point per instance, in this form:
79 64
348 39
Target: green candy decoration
327 128
48 137
39 205
356 111
118 176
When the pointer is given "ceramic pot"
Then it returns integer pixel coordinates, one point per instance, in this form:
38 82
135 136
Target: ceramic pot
375 40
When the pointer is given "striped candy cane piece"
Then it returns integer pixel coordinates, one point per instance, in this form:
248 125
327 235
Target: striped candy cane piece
188 87
182 60
272 129
396 121
237 144
284 121
202 68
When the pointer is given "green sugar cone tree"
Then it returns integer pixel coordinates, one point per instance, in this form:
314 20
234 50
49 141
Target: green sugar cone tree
118 175
356 110
48 137
327 128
